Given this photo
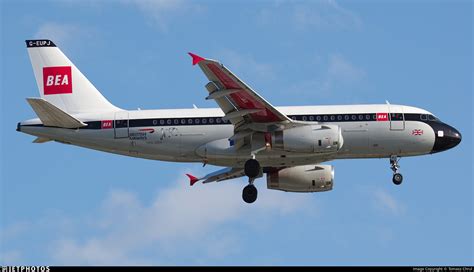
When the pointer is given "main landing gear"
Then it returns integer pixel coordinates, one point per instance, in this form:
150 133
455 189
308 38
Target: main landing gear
252 170
397 177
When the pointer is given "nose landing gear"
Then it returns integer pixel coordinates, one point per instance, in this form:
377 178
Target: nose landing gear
397 177
252 170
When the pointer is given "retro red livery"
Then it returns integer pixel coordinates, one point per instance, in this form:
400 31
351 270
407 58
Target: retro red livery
57 80
246 135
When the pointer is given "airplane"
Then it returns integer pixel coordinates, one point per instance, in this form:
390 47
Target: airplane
246 135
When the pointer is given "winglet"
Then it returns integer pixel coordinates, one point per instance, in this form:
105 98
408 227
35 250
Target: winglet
192 179
196 59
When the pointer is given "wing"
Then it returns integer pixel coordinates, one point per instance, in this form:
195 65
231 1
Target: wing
217 176
242 106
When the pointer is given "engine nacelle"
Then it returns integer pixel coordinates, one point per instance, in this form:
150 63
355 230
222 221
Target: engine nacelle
309 139
306 178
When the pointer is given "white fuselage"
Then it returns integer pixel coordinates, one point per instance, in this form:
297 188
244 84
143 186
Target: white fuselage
199 135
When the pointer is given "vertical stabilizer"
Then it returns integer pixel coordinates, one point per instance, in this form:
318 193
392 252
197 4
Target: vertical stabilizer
61 83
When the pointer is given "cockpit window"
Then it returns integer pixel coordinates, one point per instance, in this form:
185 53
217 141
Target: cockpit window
433 118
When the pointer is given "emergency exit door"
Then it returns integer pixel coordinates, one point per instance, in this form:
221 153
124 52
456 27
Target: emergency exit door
121 125
396 117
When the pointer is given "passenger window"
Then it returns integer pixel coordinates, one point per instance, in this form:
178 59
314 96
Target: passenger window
218 120
204 121
354 117
339 117
183 121
333 117
361 117
211 120
367 117
423 117
162 122
304 118
311 118
190 121
176 121
325 118
346 117
318 118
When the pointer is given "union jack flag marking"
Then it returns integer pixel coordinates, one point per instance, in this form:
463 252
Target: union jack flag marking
417 132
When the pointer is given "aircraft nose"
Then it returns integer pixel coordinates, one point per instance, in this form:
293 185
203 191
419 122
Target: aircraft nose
446 137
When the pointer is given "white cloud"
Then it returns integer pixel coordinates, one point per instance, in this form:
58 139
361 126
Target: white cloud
179 220
62 34
327 15
246 66
161 11
314 15
386 203
341 72
11 257
14 230
338 74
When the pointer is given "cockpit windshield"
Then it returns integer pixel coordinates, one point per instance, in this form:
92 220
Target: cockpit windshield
429 117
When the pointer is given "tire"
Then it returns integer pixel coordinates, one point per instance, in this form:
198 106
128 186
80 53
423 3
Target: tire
249 194
252 168
397 179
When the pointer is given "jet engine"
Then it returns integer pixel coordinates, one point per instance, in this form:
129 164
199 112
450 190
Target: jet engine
305 178
309 139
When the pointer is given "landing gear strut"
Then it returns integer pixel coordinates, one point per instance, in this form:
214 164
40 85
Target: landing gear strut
397 177
252 170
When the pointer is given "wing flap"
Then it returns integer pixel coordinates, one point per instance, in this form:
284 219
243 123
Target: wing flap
41 140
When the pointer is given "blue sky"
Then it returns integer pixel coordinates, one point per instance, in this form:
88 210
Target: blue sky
66 205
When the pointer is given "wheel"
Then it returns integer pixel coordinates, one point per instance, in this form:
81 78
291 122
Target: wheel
249 194
397 179
252 168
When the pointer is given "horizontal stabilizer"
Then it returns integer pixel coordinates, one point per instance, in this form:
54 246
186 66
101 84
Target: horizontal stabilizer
41 140
52 116
217 176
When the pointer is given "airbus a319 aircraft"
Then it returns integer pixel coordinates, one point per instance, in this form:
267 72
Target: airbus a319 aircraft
246 135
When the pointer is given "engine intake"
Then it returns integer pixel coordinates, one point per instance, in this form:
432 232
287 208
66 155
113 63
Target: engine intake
305 178
309 139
